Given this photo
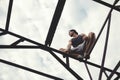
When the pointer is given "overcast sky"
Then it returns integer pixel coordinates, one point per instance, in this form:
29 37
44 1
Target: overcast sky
32 18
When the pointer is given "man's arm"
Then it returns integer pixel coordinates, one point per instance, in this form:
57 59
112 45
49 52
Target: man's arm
68 46
67 49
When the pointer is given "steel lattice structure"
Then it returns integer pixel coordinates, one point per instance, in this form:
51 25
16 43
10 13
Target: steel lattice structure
53 52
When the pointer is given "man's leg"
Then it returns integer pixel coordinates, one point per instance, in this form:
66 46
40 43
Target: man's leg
76 55
63 50
90 42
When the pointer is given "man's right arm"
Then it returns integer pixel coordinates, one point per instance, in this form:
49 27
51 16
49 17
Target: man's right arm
68 46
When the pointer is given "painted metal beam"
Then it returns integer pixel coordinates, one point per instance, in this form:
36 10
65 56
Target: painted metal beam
54 22
9 15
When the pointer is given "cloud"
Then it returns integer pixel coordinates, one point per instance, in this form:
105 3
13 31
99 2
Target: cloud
32 18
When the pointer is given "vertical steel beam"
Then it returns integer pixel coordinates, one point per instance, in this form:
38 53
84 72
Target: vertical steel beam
106 41
9 15
105 49
67 61
54 22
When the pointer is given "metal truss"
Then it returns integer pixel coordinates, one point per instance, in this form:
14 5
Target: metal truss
53 52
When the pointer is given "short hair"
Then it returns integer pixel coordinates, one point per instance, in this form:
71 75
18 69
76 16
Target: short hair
73 30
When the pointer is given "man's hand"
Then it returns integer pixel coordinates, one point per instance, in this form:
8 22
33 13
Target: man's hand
64 50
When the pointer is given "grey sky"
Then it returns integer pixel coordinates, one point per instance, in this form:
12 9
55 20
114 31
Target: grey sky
32 18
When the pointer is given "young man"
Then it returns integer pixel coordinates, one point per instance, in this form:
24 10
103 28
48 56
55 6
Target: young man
80 44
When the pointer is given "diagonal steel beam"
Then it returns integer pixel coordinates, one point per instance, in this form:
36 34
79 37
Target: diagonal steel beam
66 66
29 69
17 42
115 69
105 73
88 71
117 78
43 47
108 5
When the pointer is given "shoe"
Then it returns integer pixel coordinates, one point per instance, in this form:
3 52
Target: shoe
86 56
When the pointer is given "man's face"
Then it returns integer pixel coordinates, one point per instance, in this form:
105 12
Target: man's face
71 33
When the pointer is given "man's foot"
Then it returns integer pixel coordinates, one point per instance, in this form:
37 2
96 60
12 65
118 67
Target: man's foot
86 56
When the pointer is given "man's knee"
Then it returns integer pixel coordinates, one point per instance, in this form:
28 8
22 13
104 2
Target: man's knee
91 34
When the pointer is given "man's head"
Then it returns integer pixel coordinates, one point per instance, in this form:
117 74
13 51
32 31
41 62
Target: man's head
72 32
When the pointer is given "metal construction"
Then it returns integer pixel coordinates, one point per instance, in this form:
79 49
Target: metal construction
53 52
